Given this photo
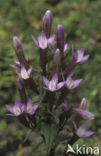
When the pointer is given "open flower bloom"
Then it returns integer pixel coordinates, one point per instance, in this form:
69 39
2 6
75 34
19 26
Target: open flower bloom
81 132
70 83
17 109
30 109
79 57
53 84
43 42
24 74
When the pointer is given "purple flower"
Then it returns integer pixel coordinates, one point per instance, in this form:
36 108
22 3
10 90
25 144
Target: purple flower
30 109
53 84
43 42
24 74
83 113
81 131
79 57
70 83
17 109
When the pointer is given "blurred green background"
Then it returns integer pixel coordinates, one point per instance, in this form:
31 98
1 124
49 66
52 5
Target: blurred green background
22 18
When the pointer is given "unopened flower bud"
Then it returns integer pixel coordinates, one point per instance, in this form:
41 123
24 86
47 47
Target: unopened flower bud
83 104
47 23
56 62
19 51
60 38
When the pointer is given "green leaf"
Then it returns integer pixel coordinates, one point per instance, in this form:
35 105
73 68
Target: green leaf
49 132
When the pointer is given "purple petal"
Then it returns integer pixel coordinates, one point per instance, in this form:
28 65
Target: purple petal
46 81
35 41
69 76
60 85
19 75
65 47
35 107
43 43
76 83
10 108
85 58
83 113
87 134
17 104
29 102
78 56
23 108
29 71
51 39
75 126
23 68
81 130
55 78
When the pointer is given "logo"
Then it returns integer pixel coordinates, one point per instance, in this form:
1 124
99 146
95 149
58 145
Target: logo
83 150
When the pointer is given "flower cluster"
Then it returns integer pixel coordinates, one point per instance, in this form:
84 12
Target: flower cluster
56 81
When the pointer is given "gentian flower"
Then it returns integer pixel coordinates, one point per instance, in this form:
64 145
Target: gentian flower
43 42
17 109
81 131
31 109
70 83
82 110
79 57
53 84
24 74
83 113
